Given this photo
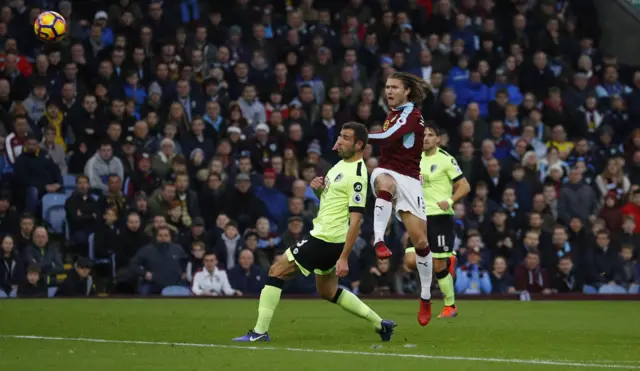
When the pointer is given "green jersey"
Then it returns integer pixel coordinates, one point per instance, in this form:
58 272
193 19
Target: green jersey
438 171
345 191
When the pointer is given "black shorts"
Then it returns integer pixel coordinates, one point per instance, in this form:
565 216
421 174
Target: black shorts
313 255
441 235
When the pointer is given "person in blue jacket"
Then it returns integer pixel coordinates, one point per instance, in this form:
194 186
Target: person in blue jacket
515 96
471 278
475 91
275 200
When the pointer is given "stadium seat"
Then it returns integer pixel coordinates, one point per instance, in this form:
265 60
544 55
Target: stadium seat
69 183
3 295
612 289
176 291
53 211
588 289
52 292
91 254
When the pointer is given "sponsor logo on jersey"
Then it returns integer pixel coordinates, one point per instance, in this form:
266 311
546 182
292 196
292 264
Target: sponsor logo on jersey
357 187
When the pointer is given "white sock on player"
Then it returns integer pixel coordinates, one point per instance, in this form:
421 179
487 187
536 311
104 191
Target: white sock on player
381 215
425 270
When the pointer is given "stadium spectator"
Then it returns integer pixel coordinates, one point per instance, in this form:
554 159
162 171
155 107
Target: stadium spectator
501 281
9 221
247 277
196 260
632 208
602 263
161 199
12 270
33 286
160 264
627 273
79 282
531 277
45 256
101 165
577 199
36 173
567 279
471 278
212 281
379 279
133 238
228 246
82 211
242 205
113 198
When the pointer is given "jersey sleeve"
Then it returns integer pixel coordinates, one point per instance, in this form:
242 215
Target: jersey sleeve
357 189
453 170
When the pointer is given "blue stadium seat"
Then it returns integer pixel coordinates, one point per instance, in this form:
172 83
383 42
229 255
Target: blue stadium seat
53 211
51 292
176 291
612 289
92 255
588 289
3 295
69 183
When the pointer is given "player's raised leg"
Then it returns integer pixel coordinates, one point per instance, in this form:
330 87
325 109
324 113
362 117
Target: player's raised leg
385 187
282 268
327 286
417 227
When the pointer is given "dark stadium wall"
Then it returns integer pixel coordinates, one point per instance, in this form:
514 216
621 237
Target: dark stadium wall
618 20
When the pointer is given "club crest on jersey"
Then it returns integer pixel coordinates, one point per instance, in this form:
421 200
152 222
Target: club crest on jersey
338 178
386 125
433 168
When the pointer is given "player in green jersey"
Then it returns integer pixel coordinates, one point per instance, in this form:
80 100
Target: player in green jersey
443 184
326 250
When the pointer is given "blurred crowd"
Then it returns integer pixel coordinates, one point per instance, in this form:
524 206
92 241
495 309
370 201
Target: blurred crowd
182 137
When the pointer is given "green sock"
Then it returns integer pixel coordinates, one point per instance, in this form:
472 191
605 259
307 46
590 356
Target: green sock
446 286
353 305
269 299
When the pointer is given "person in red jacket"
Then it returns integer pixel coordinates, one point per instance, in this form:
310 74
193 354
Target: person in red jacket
530 277
633 208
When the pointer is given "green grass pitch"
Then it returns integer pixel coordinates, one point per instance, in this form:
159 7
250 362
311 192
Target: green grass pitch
312 335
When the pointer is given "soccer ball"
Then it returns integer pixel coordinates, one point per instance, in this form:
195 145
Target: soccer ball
50 26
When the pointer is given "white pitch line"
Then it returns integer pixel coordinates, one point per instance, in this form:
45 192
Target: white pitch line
331 351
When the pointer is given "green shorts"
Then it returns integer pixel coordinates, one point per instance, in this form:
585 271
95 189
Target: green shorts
314 255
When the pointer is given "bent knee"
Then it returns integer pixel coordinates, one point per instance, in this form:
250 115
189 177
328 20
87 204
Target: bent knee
281 268
421 244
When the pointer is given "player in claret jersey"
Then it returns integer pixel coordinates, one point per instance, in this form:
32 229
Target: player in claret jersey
396 180
443 184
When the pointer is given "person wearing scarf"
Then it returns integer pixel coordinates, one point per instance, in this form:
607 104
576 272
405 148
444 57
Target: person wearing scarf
530 277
